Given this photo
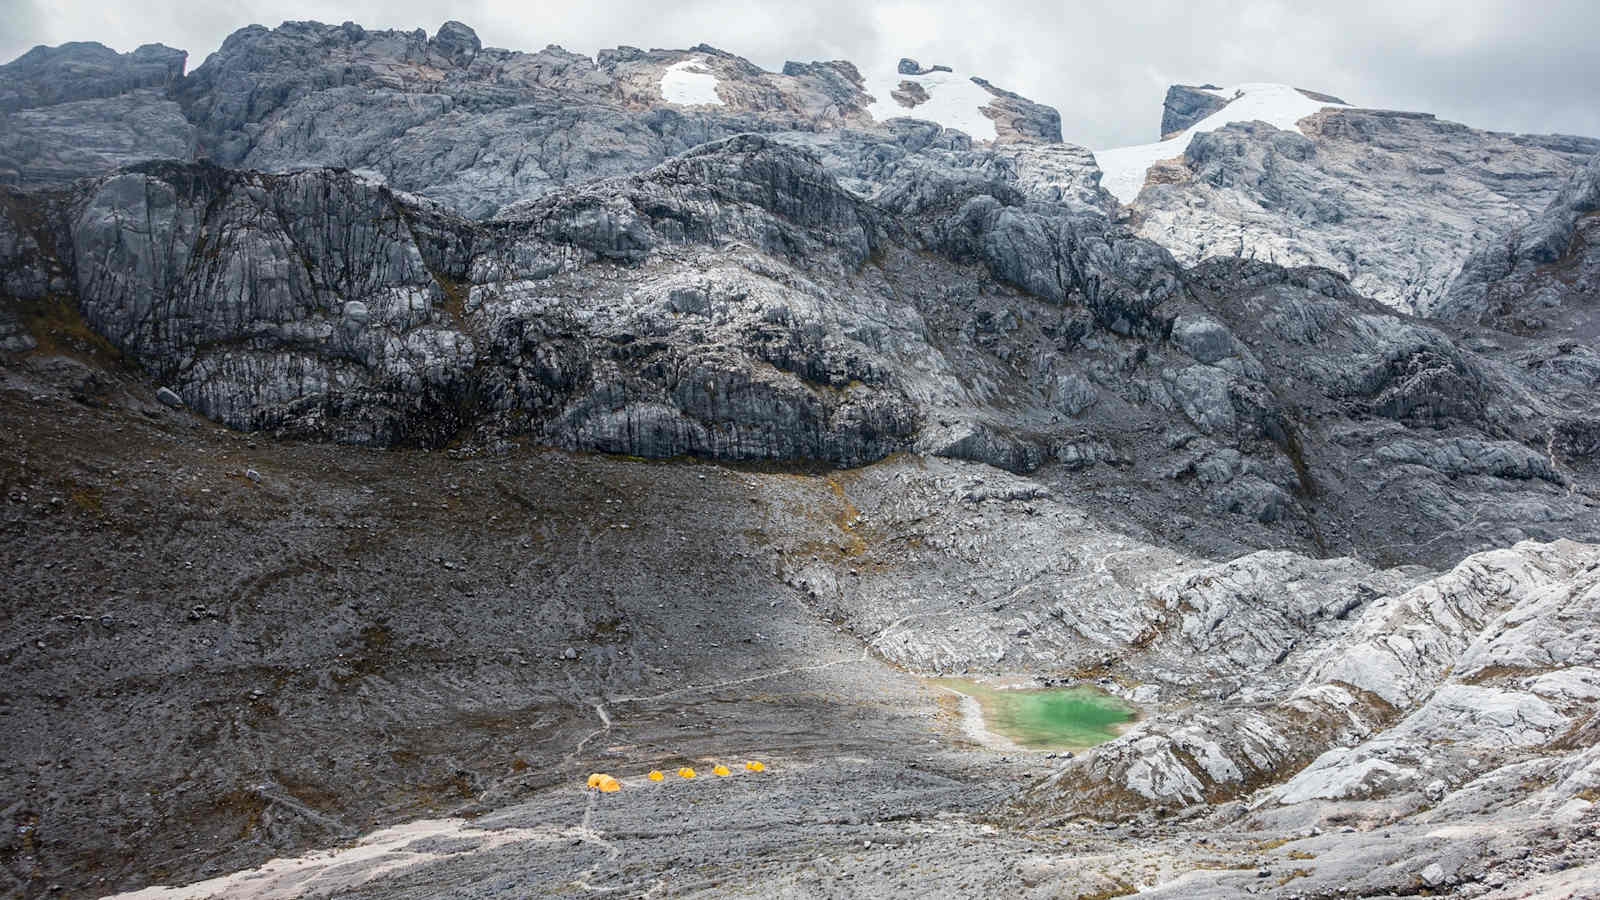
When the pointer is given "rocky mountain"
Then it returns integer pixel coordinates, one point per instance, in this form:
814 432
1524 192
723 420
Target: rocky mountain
475 127
1187 104
1284 428
83 109
47 76
1539 274
1394 201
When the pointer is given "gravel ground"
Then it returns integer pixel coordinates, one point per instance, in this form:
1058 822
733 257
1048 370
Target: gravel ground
220 648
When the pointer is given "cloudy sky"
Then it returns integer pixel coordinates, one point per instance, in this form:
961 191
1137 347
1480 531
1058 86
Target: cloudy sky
1509 65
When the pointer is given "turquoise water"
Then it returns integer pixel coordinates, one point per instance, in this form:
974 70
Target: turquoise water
1047 718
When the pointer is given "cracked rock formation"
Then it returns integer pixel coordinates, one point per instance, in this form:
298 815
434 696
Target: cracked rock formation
1393 201
739 302
45 76
1545 269
84 109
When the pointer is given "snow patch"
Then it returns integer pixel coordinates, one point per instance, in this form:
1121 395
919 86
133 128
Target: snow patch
954 101
1279 105
687 83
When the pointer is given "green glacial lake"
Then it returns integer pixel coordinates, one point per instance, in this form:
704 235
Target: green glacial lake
1046 718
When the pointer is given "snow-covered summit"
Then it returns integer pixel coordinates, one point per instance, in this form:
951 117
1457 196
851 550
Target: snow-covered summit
938 95
1279 105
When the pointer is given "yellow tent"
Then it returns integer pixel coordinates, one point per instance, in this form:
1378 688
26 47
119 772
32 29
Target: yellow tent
754 766
609 785
596 778
720 769
686 772
655 775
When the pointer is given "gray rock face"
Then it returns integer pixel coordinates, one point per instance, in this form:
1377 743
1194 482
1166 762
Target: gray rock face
152 252
477 128
1016 118
82 109
1186 105
456 43
1394 201
440 116
908 66
348 312
1541 277
1424 678
45 76
737 301
837 295
923 166
53 145
834 294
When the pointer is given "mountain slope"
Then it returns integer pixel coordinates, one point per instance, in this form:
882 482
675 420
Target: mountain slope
470 126
445 423
1394 201
736 302
1279 105
1540 277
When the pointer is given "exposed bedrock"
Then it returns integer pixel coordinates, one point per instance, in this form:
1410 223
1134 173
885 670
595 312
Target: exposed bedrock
1394 201
85 71
738 302
1187 104
1542 277
729 302
1484 666
470 126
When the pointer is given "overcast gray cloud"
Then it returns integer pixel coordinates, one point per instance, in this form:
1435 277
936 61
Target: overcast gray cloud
1511 65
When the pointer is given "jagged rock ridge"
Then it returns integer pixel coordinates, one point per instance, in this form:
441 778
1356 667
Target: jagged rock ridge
470 126
1393 200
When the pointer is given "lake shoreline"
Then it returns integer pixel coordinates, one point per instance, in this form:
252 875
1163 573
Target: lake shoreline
1016 718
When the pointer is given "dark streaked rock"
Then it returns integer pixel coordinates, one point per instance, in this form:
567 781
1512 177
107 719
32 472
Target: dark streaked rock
1186 105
